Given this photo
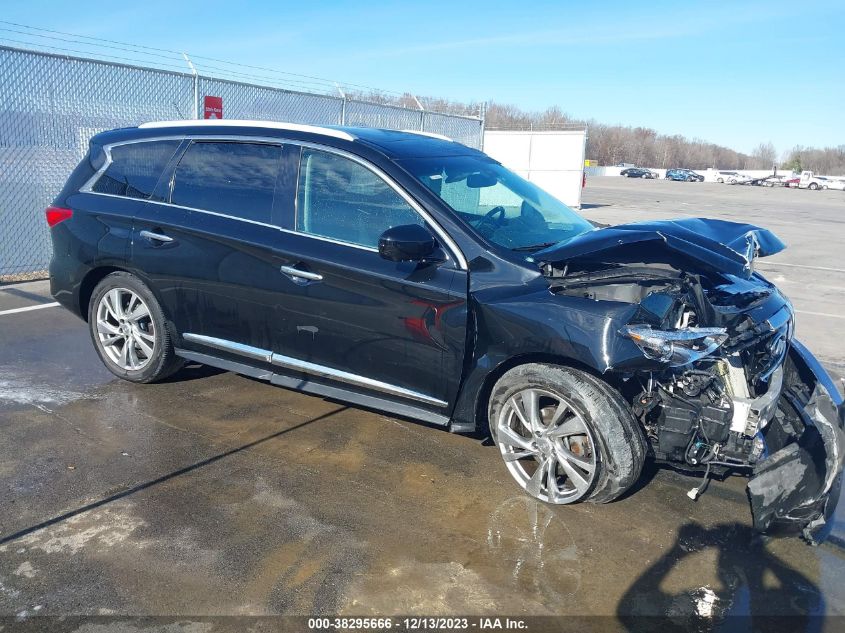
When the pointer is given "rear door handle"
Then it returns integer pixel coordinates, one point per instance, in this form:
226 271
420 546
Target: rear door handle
158 237
301 274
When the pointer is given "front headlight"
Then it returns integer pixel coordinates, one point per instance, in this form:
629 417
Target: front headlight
676 347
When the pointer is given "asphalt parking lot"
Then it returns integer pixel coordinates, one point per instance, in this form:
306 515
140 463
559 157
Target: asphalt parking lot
214 494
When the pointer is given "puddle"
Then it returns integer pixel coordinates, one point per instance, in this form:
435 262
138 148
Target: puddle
17 388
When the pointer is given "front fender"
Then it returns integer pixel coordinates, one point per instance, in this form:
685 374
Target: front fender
542 325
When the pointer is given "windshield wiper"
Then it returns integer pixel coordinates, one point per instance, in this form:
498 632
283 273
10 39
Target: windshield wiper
534 247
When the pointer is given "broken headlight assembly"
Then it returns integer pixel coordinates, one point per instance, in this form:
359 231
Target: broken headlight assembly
676 347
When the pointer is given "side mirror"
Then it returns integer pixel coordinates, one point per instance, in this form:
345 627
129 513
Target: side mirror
408 243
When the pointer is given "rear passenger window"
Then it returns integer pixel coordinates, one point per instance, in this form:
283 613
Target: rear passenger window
238 179
343 200
135 168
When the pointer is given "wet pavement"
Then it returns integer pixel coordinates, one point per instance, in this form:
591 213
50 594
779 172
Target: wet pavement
214 494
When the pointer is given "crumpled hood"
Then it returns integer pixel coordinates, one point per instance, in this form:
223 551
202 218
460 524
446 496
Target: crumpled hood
728 247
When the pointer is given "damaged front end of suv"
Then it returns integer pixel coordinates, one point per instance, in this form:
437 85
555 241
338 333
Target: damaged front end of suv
702 348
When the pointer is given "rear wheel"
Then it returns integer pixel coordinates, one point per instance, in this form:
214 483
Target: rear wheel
129 331
813 186
564 435
720 180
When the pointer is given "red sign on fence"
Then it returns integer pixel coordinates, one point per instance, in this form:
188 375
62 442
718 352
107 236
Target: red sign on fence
212 107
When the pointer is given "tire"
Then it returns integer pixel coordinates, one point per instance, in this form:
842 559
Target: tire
129 330
721 181
812 186
597 426
645 176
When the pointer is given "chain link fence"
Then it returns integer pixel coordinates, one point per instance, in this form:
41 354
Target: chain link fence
51 105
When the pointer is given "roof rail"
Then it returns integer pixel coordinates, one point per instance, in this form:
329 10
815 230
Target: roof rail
273 125
431 134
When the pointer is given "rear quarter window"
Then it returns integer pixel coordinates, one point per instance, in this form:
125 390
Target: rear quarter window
233 178
135 168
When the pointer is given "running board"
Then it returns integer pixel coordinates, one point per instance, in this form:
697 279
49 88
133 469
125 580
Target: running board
309 386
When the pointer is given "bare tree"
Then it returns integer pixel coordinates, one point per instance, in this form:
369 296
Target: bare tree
828 161
614 144
765 155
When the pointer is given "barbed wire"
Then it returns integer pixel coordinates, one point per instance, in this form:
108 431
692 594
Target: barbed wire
173 59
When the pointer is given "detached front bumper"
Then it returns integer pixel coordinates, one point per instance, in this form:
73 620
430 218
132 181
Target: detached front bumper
799 484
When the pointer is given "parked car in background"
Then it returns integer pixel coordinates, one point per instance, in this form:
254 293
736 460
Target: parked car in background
726 176
638 172
773 181
834 183
734 178
417 276
686 175
741 179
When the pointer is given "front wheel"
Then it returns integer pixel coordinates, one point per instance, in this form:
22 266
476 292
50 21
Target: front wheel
129 331
564 435
813 186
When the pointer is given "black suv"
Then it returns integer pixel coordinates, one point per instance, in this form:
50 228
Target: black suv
417 276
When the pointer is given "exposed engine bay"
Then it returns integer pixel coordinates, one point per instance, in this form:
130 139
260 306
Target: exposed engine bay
719 385
724 374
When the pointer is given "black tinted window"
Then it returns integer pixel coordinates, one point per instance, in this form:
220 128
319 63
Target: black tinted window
237 179
345 201
135 168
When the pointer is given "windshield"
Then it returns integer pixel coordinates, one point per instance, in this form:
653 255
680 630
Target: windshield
503 207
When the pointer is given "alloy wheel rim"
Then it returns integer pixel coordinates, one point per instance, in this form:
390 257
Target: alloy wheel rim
125 329
547 446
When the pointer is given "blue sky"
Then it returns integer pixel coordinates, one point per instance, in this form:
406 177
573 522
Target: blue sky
734 73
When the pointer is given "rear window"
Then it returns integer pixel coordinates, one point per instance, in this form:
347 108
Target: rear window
135 168
237 179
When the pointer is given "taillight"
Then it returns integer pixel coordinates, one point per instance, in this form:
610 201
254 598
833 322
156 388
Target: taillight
57 214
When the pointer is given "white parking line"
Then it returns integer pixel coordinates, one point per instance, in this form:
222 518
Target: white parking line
822 314
830 270
28 308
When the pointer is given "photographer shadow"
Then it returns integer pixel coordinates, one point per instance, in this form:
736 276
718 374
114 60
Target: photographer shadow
755 590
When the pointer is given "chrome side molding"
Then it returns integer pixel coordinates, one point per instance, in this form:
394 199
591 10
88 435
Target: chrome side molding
230 346
314 369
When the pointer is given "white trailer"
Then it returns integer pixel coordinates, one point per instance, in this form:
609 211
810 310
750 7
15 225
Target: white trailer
554 161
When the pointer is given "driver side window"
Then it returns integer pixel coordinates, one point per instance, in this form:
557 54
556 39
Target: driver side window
340 199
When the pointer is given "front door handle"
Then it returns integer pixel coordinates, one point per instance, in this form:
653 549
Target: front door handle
301 274
158 237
